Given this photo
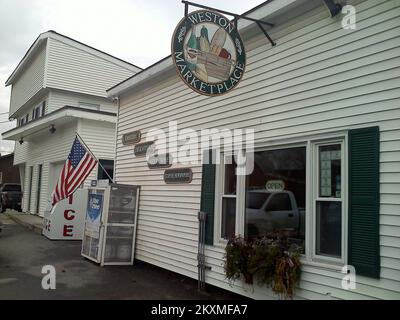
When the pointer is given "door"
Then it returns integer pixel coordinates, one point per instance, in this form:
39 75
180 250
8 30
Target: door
93 230
55 171
120 225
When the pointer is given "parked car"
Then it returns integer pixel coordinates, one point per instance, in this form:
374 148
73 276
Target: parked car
10 197
268 212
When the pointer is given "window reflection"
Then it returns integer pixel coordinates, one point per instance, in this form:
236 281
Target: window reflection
329 228
228 218
275 194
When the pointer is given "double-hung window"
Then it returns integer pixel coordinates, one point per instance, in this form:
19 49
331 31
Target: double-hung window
328 202
228 198
39 111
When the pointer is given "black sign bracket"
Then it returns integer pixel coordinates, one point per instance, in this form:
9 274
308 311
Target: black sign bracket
236 17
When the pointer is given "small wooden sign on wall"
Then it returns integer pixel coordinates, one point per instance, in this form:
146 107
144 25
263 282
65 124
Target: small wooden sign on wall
160 161
140 150
178 176
131 138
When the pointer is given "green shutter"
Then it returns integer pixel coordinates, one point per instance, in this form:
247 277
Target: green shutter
208 197
364 253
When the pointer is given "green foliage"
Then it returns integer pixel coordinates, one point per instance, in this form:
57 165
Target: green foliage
273 261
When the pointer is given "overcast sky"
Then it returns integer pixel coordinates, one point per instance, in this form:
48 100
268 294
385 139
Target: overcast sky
138 31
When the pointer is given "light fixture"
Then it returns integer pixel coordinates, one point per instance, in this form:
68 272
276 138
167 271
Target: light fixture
21 141
333 7
52 129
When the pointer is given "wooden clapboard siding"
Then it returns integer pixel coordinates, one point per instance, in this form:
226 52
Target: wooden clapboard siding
72 69
100 138
30 82
45 150
64 72
319 78
59 99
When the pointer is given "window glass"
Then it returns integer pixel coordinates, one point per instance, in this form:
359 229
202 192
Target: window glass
256 200
330 184
279 202
329 205
230 176
43 110
329 228
228 214
35 114
279 181
108 166
228 218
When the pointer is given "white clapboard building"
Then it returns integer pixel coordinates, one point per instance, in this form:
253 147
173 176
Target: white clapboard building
58 89
324 95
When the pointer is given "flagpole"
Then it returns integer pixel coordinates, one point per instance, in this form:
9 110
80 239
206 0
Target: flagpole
88 149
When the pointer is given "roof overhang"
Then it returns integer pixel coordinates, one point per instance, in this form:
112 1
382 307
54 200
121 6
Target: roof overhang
272 11
59 117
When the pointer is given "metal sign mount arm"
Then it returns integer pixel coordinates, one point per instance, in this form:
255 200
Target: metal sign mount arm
236 16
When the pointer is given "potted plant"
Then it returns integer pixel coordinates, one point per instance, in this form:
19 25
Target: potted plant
272 261
237 256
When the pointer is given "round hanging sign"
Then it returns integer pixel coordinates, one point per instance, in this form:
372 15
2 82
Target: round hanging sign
208 53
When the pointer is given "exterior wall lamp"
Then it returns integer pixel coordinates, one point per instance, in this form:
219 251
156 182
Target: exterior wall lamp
333 7
52 129
21 141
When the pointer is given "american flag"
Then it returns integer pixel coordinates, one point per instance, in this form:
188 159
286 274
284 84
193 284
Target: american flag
78 166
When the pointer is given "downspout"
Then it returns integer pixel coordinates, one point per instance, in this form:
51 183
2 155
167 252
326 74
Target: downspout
116 137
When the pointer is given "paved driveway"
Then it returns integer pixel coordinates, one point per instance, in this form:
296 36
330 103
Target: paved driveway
23 253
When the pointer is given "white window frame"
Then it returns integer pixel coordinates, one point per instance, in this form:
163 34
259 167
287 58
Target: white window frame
220 195
38 111
42 109
310 143
343 199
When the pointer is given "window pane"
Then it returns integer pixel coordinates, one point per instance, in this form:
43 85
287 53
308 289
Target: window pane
283 207
43 108
329 228
279 202
255 200
230 177
330 184
228 218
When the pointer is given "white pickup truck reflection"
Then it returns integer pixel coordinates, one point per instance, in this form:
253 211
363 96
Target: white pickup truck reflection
268 212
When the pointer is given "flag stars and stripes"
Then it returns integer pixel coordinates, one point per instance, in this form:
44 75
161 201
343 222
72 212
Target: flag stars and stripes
79 164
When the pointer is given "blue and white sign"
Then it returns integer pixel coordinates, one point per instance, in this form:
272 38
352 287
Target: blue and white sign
95 206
